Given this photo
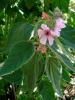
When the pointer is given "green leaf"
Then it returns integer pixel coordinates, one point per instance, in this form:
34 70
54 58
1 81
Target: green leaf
15 77
18 55
46 90
66 75
63 58
29 3
32 71
4 3
63 5
39 64
54 72
24 96
68 37
19 32
3 84
47 5
71 19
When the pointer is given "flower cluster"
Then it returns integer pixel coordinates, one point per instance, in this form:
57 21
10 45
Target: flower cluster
47 35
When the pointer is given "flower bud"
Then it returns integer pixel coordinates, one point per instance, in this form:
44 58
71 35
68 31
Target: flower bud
57 12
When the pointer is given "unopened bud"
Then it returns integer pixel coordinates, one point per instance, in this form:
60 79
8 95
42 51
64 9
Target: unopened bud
57 12
45 16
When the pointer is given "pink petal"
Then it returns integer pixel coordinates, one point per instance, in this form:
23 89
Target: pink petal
55 32
45 27
40 33
60 23
50 40
43 40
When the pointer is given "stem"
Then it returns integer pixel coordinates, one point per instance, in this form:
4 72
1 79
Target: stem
46 62
14 93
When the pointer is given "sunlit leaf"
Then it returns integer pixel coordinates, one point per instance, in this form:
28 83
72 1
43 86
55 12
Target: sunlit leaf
18 55
68 37
19 32
54 72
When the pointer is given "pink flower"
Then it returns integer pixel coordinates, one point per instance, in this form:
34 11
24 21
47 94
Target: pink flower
45 35
59 24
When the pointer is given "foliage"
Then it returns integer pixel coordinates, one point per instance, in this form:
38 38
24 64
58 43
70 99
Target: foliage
34 75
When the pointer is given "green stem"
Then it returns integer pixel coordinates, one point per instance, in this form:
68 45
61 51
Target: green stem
46 61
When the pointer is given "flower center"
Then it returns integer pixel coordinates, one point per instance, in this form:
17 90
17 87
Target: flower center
47 33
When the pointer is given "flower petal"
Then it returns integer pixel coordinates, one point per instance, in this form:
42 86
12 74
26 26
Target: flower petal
43 40
55 33
50 40
60 23
40 33
45 27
